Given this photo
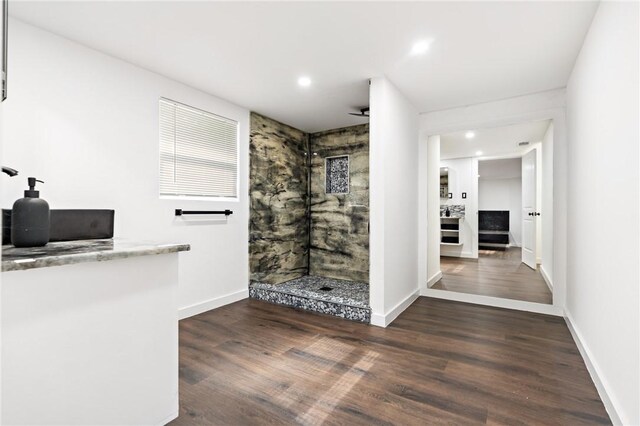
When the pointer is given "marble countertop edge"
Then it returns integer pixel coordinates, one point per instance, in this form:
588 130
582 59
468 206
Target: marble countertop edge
74 252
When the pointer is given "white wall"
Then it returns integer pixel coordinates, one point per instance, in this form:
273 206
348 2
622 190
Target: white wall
603 205
87 124
433 213
2 183
503 194
546 208
463 177
394 202
538 148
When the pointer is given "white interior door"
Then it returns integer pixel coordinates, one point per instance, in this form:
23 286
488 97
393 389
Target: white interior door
529 209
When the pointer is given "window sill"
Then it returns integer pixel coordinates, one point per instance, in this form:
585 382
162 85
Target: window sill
207 199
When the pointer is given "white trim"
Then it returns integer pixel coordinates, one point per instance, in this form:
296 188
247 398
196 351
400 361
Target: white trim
381 320
497 302
546 278
434 279
216 302
599 381
203 198
464 254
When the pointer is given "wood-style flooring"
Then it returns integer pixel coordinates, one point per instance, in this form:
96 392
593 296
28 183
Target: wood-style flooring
495 273
440 362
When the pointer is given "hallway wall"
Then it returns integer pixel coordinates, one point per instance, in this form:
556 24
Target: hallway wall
603 293
546 208
340 222
278 224
394 202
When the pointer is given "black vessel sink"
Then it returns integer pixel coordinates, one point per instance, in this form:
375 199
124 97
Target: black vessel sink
70 224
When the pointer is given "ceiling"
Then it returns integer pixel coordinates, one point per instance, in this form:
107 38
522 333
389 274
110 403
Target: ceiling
253 53
492 141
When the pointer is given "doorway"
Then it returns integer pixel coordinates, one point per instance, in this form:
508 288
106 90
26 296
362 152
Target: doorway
492 185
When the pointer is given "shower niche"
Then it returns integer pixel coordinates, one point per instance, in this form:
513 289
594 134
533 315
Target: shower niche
309 218
337 174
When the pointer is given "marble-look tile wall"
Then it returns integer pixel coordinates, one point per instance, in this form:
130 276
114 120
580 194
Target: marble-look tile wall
340 222
278 188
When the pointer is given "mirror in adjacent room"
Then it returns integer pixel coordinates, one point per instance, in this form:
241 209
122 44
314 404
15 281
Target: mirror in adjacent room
444 182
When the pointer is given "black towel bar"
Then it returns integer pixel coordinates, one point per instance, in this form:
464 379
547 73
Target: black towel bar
180 212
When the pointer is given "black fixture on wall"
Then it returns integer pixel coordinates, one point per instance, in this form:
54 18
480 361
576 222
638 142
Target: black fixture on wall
464 195
364 112
180 212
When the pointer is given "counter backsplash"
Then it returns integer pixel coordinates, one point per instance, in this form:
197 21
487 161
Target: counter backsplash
457 210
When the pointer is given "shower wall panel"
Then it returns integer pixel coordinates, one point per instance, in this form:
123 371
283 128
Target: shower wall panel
278 187
340 222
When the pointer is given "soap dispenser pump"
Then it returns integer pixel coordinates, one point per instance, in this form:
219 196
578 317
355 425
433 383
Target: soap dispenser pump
30 220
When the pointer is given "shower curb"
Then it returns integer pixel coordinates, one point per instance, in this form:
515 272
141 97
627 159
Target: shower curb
344 311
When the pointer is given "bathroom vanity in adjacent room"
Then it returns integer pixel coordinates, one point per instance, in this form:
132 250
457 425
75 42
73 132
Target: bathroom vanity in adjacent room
90 333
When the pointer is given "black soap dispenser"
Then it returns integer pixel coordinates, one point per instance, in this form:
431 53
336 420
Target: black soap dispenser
30 219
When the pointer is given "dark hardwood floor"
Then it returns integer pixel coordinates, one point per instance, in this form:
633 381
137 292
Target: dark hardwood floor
440 362
495 273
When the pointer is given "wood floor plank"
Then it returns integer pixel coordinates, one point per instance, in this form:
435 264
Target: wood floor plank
495 273
440 362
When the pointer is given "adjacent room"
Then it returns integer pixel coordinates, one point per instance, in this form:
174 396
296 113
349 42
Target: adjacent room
305 213
496 211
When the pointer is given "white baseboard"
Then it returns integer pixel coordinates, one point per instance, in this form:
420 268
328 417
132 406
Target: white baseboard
381 320
434 279
594 371
207 305
170 418
546 278
464 254
497 302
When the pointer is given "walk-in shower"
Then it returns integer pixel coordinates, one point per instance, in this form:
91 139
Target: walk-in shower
309 236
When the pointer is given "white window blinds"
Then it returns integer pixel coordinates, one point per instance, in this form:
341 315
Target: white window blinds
198 152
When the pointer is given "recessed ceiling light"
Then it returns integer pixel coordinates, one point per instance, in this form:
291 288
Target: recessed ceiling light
470 135
420 47
304 81
446 169
478 152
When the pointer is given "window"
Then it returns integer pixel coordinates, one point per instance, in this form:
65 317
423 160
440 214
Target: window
198 153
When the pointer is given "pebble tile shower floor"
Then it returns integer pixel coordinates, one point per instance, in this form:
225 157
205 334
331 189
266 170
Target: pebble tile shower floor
344 299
